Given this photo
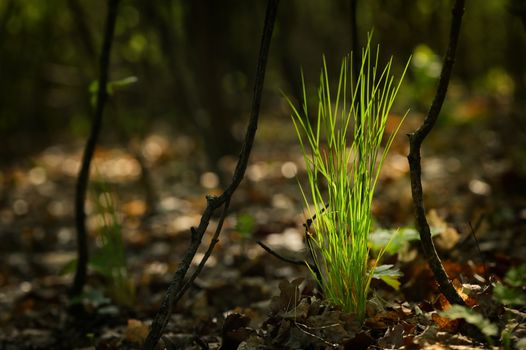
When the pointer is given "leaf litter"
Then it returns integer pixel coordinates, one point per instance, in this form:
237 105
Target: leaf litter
244 299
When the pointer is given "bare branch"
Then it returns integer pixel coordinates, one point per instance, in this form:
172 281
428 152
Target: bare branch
415 142
175 289
83 178
208 252
281 257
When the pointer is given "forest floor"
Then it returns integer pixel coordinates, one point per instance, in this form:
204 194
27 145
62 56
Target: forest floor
475 193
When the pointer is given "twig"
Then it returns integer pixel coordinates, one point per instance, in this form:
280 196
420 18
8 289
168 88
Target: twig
307 330
83 178
281 257
309 221
312 267
473 233
176 285
208 252
308 239
415 142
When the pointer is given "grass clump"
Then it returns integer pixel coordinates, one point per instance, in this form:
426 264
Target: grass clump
344 149
110 258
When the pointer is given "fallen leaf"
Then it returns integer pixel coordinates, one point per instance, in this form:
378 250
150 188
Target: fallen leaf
136 331
444 323
288 298
448 236
472 317
136 207
234 331
393 338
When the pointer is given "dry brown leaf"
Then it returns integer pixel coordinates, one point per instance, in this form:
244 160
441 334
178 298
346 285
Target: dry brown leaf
136 331
470 301
442 303
383 320
445 324
404 309
299 312
234 331
136 207
448 237
288 298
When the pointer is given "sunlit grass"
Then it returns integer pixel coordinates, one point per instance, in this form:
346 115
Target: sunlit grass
344 150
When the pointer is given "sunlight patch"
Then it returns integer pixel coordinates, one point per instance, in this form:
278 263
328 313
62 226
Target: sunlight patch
289 170
290 239
209 180
479 187
37 176
20 207
257 172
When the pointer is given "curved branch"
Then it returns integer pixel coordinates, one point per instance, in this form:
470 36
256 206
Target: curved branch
83 178
281 257
415 142
177 286
211 245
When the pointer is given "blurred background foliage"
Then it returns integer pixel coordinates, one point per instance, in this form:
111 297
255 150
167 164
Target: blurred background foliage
195 60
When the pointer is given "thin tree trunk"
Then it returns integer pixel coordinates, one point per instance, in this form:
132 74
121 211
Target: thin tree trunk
178 285
83 178
415 142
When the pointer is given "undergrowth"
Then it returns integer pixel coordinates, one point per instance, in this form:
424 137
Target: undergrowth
344 149
110 259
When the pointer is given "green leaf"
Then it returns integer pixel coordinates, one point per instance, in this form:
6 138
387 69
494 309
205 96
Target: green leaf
94 87
245 225
124 82
389 274
110 86
100 262
516 277
70 267
509 296
393 282
386 270
393 240
471 317
94 296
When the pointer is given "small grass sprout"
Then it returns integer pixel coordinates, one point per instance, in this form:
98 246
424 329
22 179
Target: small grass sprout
342 174
109 259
